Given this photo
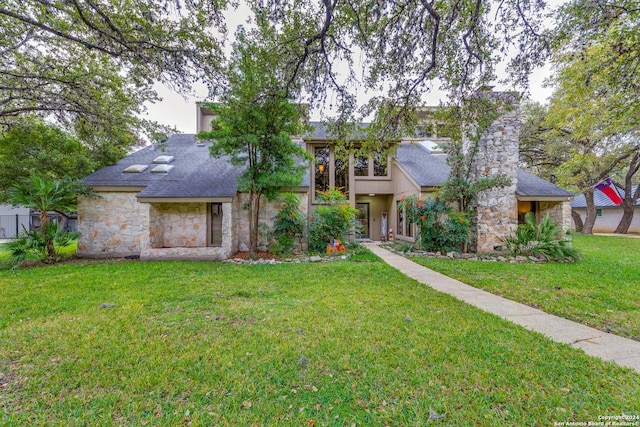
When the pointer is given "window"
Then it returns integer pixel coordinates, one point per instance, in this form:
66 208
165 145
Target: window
409 227
342 176
361 166
215 224
598 212
321 181
379 164
400 227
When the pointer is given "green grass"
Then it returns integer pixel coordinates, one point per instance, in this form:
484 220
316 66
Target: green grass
601 291
340 343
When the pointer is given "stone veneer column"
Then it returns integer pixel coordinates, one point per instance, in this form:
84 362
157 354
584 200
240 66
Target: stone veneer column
497 154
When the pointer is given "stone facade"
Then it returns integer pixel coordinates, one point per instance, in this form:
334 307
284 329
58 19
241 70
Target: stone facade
114 225
496 153
560 213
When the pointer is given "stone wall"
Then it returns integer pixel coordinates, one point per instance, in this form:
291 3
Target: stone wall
178 225
113 225
496 153
559 212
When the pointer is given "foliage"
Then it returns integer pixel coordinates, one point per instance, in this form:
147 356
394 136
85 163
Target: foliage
91 66
214 344
334 218
544 239
44 149
440 228
46 196
253 125
32 244
575 291
402 51
288 224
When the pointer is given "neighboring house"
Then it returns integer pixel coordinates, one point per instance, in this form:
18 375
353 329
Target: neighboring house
608 215
179 203
13 221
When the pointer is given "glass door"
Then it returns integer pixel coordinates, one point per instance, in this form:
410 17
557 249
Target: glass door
362 221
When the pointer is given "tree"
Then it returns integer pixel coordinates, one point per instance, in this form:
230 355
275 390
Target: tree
46 196
630 197
253 126
597 56
41 148
402 49
92 65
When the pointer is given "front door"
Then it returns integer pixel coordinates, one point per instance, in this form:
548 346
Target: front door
362 221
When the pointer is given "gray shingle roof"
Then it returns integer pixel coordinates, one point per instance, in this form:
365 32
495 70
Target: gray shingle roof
426 169
530 185
195 173
432 171
600 199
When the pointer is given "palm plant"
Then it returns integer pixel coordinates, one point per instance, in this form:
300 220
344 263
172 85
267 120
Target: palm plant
46 196
544 239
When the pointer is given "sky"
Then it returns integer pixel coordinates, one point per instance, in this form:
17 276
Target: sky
179 111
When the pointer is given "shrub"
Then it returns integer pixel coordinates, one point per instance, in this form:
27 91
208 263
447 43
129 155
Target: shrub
544 239
288 224
32 244
440 228
334 219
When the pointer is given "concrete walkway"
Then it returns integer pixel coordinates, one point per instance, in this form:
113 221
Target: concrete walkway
623 351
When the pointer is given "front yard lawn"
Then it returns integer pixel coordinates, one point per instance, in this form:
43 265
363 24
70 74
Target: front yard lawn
602 290
340 343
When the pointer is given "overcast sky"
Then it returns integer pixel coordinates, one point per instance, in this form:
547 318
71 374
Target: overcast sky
180 112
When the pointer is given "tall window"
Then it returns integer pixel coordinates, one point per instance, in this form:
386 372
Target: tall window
215 224
342 176
400 228
361 166
379 164
321 182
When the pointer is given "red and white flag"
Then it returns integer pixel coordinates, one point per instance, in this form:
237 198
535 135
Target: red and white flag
609 190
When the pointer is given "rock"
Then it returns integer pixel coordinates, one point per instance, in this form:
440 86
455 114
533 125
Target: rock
106 305
315 258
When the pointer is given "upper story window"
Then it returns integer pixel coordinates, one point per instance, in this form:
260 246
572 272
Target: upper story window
380 164
321 173
374 165
361 166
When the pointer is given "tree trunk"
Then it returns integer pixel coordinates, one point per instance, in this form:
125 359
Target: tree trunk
590 220
254 222
577 220
44 223
628 205
629 201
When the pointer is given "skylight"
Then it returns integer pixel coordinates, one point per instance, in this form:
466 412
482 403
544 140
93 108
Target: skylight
135 168
163 159
162 169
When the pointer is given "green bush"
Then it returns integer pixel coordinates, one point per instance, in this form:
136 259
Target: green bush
288 224
333 219
32 244
544 239
441 229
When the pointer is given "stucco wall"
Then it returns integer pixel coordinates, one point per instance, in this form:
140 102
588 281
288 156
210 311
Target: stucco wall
608 222
268 211
113 225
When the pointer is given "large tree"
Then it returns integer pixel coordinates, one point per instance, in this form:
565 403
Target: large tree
35 147
401 49
92 64
253 126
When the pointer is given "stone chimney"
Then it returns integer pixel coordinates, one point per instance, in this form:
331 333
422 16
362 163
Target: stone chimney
497 154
